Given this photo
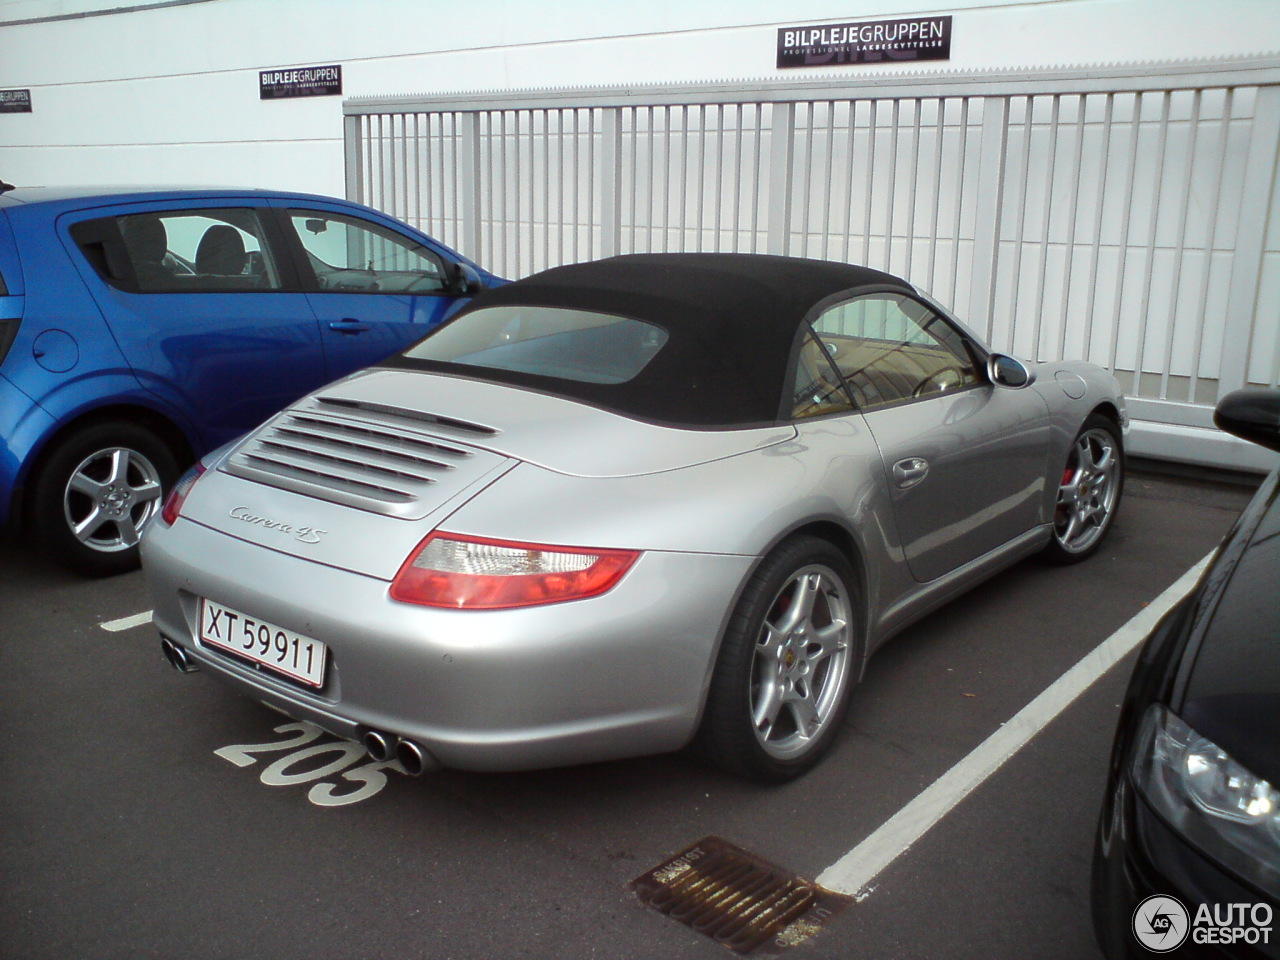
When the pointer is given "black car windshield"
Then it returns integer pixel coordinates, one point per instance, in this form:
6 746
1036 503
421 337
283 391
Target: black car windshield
556 342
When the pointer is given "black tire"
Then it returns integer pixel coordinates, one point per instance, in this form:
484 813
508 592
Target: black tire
799 673
121 474
1089 491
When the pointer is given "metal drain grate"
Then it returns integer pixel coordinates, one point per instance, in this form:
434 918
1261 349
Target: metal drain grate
738 899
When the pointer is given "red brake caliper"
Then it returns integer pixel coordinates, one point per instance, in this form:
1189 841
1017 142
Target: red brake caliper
1060 514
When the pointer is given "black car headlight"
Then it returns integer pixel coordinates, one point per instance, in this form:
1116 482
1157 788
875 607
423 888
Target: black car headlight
1229 813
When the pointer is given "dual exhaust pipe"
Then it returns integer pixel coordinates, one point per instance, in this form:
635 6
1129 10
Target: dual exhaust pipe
178 657
384 747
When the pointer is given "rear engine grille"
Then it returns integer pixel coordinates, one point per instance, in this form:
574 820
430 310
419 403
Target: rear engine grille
358 463
414 419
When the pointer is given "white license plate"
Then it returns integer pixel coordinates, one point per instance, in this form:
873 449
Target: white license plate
275 648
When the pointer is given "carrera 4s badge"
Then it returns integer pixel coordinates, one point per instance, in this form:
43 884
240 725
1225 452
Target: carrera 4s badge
303 534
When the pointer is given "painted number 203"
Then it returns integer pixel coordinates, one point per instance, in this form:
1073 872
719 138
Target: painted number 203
301 765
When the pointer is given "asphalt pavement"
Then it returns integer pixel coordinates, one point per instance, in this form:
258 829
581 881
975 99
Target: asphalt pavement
150 814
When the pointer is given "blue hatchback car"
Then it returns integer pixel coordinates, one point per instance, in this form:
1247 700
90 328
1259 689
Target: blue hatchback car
141 328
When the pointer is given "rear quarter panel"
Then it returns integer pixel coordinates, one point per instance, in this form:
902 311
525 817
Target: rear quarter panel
90 372
741 505
57 300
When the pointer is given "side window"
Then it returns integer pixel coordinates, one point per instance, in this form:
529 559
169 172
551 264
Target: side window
198 251
891 348
357 256
818 389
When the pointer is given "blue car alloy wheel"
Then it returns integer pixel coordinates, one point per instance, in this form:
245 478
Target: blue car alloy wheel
96 491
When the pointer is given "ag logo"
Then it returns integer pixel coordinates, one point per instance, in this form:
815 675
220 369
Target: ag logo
1161 924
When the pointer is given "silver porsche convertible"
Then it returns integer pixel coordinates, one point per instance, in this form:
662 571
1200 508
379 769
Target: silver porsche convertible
622 507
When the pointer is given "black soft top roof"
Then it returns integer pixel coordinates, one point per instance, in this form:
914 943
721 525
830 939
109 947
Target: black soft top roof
731 319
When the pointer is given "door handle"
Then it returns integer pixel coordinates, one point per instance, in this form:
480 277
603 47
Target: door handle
348 325
909 472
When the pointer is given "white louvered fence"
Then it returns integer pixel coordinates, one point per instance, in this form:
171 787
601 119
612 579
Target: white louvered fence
1127 215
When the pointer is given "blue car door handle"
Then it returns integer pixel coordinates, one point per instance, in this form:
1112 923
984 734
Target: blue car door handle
909 472
348 325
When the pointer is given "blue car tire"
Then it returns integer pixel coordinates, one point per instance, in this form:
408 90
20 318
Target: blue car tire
95 491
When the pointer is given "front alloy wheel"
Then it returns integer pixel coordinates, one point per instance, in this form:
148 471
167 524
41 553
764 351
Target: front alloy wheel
785 666
1089 492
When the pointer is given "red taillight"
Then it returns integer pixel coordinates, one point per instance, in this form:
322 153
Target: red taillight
473 573
177 496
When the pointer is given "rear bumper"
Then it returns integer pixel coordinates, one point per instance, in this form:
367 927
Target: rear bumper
618 675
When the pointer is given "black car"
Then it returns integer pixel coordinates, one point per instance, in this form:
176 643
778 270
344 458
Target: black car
1187 858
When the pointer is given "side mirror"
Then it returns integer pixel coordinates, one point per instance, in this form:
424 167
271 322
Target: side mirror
1252 414
1009 372
466 282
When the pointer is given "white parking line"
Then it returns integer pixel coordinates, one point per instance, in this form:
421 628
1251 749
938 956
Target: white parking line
127 623
853 873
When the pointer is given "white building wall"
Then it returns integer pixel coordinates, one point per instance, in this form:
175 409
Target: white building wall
168 92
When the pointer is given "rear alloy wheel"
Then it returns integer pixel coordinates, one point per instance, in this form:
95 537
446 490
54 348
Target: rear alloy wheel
1088 492
95 493
786 664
